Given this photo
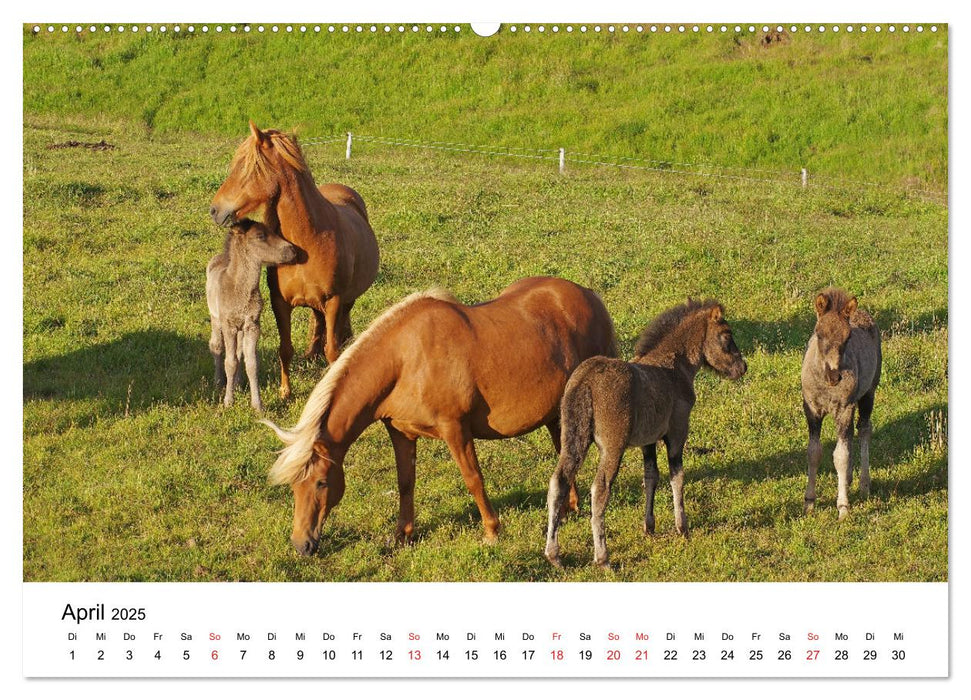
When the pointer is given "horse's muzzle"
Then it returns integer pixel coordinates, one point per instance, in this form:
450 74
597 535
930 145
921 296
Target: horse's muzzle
305 546
220 217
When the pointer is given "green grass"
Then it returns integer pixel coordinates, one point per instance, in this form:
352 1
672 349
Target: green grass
867 106
134 471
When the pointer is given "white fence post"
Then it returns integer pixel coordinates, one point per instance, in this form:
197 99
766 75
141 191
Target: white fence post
805 177
562 160
347 154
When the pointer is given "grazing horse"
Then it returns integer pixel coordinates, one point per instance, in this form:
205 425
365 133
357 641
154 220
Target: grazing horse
432 367
235 302
339 254
618 404
840 371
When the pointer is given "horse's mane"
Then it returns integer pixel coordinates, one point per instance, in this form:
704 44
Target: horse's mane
291 465
837 300
664 324
251 159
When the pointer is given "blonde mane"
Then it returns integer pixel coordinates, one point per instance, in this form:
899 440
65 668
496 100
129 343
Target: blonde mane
291 465
251 158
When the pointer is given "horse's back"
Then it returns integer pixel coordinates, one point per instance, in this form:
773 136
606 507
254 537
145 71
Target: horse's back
631 403
579 310
500 365
343 196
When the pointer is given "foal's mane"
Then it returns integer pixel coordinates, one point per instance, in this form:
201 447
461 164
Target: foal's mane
664 324
291 465
251 158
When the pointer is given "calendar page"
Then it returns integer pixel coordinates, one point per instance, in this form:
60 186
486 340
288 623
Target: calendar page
362 348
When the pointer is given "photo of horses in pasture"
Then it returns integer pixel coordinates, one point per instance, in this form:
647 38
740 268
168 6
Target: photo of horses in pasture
617 305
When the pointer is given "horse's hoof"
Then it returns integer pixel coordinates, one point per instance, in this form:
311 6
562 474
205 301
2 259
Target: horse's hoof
844 511
490 538
605 565
808 506
402 539
554 559
648 529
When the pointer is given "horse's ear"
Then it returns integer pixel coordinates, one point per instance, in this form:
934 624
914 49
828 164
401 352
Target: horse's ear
822 304
849 307
717 313
255 130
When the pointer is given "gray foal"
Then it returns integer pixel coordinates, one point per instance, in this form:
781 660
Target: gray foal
235 303
840 371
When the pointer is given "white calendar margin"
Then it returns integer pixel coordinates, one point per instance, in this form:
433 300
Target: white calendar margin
506 10
394 628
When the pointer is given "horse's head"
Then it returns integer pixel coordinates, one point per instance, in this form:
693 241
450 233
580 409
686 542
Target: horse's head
833 314
314 496
256 175
719 349
263 244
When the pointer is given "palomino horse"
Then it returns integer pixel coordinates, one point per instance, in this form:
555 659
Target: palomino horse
619 404
840 371
339 259
432 367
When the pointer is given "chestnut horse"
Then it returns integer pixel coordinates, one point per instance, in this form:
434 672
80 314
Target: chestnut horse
339 258
432 367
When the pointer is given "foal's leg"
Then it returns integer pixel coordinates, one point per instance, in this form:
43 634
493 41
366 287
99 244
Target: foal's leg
282 311
460 444
563 488
239 358
217 347
251 336
865 430
573 503
651 477
841 458
405 450
332 313
610 456
815 424
675 447
231 364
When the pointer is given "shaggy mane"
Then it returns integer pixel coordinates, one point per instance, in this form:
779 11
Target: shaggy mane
664 324
291 465
251 159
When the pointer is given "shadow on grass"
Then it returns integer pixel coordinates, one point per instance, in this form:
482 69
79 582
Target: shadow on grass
891 443
138 369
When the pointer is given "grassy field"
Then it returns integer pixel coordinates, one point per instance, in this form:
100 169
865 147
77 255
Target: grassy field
134 471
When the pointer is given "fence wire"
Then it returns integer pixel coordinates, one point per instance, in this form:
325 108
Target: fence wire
698 169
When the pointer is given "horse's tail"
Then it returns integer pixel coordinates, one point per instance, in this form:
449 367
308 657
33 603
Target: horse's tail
291 464
576 423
